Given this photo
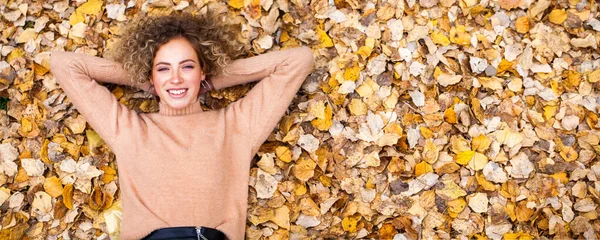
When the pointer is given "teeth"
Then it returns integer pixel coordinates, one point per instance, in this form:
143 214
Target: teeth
177 91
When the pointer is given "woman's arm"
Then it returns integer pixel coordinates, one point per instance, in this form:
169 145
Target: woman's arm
77 74
99 69
241 71
282 73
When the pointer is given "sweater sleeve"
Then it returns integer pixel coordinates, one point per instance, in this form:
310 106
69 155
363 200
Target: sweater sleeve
282 73
77 74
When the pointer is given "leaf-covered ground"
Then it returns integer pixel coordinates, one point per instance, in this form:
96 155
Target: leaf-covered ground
429 119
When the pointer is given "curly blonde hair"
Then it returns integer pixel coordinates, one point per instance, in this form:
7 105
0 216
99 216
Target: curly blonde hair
215 43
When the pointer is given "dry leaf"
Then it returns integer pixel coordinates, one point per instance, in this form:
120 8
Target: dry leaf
557 16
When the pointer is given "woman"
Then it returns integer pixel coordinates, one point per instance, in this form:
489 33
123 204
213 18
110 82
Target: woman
183 172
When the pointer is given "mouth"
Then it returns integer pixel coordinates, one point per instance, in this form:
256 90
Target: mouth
177 92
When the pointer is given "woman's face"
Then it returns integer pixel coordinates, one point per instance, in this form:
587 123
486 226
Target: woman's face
176 73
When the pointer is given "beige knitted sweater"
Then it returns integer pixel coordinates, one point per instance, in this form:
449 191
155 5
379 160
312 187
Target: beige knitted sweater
185 167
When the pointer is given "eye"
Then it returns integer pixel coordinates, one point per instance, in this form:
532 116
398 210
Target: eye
161 69
189 67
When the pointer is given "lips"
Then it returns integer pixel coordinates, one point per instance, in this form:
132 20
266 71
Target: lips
177 92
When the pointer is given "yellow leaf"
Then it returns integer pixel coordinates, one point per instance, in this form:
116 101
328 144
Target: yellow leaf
391 101
523 212
450 191
352 73
569 154
365 89
39 70
44 152
594 76
284 37
237 4
512 236
53 187
317 108
387 231
493 83
349 223
478 162
109 174
28 128
503 66
92 7
430 152
522 24
560 176
284 154
456 206
437 72
447 168
304 169
450 116
282 217
481 143
550 111
393 128
440 38
573 79
68 196
300 189
459 35
148 105
510 210
16 53
99 199
118 92
477 109
21 175
324 39
422 168
71 148
309 207
426 132
464 157
357 107
366 50
26 83
484 183
557 16
518 236
94 139
324 123
459 144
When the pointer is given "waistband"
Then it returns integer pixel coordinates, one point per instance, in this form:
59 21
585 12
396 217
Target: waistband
188 233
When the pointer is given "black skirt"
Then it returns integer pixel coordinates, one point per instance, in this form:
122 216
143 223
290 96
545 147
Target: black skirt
186 233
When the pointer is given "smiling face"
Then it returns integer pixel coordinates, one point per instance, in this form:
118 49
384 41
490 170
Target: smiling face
176 73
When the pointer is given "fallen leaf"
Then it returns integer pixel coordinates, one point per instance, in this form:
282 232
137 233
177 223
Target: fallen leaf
349 223
557 16
91 7
53 187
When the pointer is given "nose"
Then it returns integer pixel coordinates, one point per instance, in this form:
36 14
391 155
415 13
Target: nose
176 78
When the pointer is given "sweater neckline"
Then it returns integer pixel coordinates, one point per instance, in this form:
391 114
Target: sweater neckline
165 109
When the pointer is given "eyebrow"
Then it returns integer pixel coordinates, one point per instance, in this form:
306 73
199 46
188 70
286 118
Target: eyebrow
187 60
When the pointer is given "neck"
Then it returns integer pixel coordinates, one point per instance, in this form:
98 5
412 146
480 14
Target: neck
192 108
